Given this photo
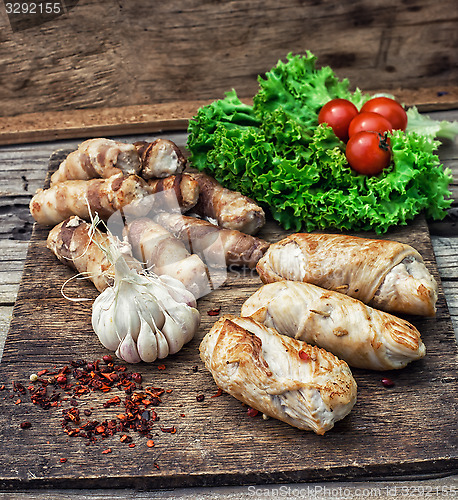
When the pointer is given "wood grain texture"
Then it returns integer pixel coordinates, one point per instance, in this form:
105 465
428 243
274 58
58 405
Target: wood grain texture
405 431
154 118
111 54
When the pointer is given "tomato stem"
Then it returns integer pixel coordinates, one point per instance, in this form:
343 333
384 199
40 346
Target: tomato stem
383 142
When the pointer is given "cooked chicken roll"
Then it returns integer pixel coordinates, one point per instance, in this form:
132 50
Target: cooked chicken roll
384 274
362 336
302 385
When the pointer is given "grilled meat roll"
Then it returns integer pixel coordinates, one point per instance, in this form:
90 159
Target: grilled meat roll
302 385
362 336
384 274
229 209
204 238
160 158
98 158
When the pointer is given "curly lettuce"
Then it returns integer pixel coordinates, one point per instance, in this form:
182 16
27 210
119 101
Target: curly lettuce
276 152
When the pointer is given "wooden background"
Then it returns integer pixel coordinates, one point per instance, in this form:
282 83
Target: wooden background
112 53
216 443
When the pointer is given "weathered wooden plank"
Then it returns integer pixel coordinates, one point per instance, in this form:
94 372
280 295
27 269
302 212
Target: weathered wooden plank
206 448
451 291
382 490
6 313
198 50
95 122
446 252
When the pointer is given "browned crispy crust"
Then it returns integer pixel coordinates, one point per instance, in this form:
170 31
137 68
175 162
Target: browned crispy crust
234 353
351 265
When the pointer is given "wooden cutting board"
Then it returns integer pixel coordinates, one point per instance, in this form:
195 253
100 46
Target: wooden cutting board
406 431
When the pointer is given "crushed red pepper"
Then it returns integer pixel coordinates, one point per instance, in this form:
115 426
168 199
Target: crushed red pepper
218 393
214 312
80 378
251 412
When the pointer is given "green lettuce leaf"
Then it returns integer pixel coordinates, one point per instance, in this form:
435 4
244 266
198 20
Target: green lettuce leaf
424 125
276 153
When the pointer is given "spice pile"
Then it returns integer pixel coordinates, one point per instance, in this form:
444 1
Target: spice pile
51 388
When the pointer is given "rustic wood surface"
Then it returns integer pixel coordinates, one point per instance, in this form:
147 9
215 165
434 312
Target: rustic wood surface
216 442
102 53
151 118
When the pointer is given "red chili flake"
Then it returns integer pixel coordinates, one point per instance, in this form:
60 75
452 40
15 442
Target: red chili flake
251 412
214 312
132 445
108 450
126 439
218 393
150 443
2 387
113 401
107 358
170 430
42 372
156 465
25 425
387 382
304 356
161 367
62 460
81 377
18 401
182 415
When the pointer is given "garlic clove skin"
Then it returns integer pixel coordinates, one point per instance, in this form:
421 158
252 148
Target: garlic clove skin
126 316
162 346
102 320
177 291
149 310
127 350
147 343
173 334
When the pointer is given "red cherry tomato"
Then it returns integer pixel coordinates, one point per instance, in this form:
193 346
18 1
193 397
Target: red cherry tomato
369 122
368 153
390 109
338 113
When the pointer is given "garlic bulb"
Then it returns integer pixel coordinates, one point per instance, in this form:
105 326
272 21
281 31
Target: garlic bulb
144 316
